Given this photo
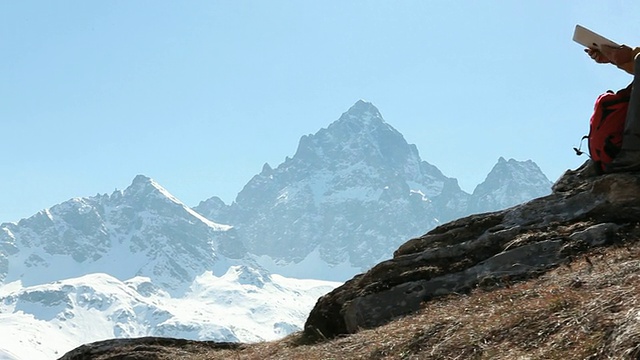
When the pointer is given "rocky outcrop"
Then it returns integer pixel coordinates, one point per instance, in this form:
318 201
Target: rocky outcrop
143 348
584 211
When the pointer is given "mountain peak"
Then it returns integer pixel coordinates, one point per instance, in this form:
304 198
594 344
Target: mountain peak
359 134
514 166
362 111
509 183
143 185
141 179
363 107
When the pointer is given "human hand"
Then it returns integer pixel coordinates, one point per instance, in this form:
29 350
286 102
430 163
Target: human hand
597 56
610 54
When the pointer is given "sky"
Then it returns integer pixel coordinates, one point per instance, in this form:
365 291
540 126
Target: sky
199 95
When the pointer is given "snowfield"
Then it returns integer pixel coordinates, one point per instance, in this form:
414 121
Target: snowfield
243 305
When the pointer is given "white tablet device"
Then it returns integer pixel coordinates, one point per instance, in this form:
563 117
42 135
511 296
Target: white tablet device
589 39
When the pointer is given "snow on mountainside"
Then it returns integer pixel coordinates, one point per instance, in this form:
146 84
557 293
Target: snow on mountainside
247 305
350 195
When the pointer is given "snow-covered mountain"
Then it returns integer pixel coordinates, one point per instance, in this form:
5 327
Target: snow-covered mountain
141 231
134 263
244 304
351 194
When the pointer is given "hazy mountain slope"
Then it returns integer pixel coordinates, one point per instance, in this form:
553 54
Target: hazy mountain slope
509 183
351 194
342 195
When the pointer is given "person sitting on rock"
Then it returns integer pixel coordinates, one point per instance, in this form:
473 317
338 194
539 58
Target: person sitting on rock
627 59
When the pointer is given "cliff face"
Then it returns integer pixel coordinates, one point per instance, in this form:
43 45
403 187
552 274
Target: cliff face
531 289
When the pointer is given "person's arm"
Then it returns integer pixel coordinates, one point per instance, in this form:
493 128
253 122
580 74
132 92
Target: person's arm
628 66
621 56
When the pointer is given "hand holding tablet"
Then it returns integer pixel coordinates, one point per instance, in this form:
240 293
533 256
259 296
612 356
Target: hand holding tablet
603 50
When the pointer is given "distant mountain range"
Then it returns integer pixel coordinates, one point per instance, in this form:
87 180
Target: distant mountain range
141 231
350 195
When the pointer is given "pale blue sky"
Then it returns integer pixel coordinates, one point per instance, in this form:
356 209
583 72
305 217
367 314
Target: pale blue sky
200 94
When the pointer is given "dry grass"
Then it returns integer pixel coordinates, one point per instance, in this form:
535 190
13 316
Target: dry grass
587 310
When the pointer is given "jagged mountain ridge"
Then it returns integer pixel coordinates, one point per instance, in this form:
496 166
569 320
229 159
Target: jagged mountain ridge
340 179
351 193
509 183
141 231
356 190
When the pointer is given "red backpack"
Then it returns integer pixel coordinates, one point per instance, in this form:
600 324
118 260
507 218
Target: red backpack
606 127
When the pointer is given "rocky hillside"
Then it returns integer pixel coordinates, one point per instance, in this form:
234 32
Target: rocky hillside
552 278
